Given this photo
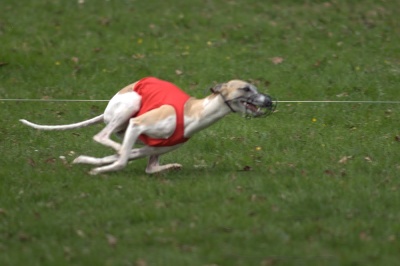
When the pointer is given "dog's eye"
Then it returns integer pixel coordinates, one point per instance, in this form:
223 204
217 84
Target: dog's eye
246 89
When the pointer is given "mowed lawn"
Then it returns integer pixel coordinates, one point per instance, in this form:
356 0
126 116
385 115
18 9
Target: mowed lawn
313 184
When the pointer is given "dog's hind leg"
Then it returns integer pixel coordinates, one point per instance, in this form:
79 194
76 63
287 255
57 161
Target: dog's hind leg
116 116
131 134
103 137
157 123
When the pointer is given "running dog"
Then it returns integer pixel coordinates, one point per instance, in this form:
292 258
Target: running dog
159 115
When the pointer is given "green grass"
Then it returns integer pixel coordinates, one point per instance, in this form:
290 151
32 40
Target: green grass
324 182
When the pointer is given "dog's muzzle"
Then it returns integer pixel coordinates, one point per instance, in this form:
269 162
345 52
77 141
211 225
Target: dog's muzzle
259 105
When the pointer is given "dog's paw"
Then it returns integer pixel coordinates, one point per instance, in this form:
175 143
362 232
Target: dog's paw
87 160
175 166
94 171
91 160
80 159
161 168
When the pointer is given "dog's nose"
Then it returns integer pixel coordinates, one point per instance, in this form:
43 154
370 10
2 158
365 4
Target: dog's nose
268 101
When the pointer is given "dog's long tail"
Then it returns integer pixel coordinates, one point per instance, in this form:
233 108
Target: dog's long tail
85 123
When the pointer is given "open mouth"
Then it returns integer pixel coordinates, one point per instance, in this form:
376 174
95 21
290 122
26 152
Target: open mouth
254 110
257 111
251 107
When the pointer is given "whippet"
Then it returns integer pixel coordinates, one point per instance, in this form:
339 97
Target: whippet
159 115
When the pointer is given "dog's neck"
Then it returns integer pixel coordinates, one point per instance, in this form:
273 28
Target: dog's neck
215 106
201 113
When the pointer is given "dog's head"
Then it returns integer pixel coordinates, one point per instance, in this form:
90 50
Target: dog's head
243 97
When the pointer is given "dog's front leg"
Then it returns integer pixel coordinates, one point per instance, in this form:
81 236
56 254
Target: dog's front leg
134 154
153 165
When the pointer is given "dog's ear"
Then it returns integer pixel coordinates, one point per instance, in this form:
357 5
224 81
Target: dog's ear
217 88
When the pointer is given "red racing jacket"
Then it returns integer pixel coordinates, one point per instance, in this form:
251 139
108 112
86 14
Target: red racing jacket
155 93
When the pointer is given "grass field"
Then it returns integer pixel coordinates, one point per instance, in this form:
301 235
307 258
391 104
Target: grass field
313 184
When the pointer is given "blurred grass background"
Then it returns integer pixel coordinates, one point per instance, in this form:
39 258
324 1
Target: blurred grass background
314 184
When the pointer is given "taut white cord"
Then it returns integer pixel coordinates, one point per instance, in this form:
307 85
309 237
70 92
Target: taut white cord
375 102
310 101
49 100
